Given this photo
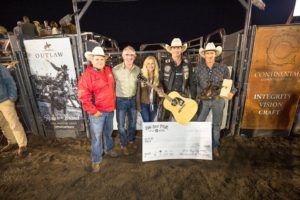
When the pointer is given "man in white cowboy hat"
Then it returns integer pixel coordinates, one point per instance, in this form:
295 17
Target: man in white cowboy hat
126 87
175 74
209 77
96 91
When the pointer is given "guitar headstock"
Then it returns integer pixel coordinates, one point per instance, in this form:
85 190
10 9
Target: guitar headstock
142 78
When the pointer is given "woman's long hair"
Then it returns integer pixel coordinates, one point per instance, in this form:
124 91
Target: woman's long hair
145 70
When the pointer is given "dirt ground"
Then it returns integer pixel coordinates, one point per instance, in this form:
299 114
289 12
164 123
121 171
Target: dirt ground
249 168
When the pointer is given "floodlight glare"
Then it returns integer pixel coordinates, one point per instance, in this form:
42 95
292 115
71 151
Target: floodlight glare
297 9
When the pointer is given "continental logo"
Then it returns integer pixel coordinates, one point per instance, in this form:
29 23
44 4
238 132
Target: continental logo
282 49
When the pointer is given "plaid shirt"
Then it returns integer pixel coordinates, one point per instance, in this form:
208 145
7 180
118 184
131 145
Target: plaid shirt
204 77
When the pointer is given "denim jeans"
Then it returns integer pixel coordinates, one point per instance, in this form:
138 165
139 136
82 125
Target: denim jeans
126 107
148 115
99 125
217 107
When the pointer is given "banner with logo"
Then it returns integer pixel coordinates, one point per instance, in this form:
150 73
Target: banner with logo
54 81
273 89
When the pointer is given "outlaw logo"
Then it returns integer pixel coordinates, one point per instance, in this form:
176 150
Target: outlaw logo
47 46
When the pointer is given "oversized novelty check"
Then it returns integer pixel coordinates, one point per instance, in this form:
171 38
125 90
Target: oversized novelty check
170 140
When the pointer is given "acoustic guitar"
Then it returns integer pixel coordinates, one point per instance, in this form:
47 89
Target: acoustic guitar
183 109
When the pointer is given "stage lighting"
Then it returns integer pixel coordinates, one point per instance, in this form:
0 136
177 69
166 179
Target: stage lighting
297 9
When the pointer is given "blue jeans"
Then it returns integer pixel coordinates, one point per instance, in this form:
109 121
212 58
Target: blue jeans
126 107
217 107
99 125
148 115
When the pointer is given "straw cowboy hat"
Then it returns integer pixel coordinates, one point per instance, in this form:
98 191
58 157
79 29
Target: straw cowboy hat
210 47
97 51
176 42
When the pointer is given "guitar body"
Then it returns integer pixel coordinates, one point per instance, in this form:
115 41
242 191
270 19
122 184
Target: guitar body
183 112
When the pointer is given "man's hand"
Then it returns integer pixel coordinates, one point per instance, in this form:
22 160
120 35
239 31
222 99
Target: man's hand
12 64
97 114
160 92
229 96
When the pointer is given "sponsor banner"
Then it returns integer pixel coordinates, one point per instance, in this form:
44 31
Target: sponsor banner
170 140
274 81
54 80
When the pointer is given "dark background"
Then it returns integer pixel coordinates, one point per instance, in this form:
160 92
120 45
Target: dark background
150 21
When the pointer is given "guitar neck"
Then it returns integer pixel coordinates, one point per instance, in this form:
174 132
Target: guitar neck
159 91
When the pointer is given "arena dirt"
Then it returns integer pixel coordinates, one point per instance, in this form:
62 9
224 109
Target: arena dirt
248 168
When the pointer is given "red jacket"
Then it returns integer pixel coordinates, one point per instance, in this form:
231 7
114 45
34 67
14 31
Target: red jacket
96 90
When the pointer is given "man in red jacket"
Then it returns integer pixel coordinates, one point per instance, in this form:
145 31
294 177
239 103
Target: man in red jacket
96 91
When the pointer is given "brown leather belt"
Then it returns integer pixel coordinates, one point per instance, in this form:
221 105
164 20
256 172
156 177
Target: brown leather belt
127 98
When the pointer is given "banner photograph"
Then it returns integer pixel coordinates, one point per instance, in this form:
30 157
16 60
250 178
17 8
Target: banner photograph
54 79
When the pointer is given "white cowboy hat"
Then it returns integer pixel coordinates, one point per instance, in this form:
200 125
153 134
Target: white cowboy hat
176 42
210 47
97 51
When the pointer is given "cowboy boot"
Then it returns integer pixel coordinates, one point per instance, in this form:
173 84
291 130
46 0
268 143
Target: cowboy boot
22 151
96 167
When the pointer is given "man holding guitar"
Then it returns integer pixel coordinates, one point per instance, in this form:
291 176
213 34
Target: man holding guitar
209 77
175 75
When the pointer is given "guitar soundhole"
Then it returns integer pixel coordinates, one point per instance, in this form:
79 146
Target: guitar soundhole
176 101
